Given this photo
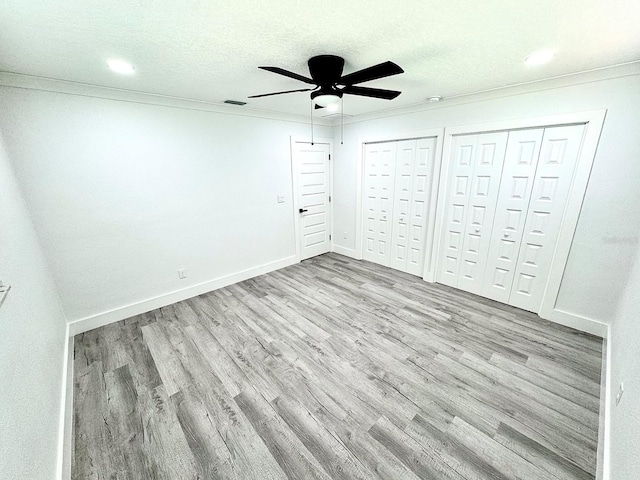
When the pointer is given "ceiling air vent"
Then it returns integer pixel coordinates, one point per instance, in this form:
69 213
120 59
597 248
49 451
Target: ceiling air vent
235 102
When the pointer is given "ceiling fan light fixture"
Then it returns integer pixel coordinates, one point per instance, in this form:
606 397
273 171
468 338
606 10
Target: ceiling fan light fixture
326 99
333 107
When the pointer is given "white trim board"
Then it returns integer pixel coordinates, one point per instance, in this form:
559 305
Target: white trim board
608 398
31 82
65 446
604 428
593 121
347 252
590 76
117 314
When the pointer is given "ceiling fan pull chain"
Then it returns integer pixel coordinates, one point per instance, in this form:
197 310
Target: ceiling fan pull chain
342 121
311 122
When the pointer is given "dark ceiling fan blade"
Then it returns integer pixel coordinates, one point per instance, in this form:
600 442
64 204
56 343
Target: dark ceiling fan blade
371 92
287 73
317 107
280 93
385 69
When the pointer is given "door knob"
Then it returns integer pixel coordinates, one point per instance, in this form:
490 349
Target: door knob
302 210
477 230
506 234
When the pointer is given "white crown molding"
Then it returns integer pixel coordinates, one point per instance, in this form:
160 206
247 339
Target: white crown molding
18 80
588 76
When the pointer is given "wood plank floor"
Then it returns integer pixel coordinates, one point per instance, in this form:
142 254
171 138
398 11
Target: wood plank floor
336 369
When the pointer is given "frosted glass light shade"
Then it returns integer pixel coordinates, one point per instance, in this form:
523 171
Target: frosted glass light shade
325 100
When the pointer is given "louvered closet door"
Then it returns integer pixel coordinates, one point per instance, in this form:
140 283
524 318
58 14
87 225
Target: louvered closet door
523 149
556 164
379 184
483 196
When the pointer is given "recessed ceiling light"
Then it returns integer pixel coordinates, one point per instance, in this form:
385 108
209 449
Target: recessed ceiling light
539 58
434 99
120 66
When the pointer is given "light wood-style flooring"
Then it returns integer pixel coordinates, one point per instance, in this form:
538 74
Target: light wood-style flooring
336 369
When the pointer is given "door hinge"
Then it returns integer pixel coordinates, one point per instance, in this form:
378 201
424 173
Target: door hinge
329 156
329 198
329 236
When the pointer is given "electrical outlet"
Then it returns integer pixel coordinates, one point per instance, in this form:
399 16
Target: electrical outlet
345 235
280 198
620 392
182 274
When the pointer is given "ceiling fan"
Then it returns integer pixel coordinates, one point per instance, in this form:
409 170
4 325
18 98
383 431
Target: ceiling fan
331 85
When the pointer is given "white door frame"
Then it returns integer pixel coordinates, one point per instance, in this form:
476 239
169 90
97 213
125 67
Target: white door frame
429 270
593 121
295 172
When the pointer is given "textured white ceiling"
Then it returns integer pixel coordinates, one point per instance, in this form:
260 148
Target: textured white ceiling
210 50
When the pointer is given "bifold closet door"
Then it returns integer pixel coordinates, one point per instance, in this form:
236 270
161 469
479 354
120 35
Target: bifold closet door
551 186
505 202
471 197
412 193
379 168
523 149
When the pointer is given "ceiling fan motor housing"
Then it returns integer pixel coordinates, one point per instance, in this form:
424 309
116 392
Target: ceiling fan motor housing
326 70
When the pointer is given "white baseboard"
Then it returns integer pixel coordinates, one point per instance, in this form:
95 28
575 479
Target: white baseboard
605 470
66 412
583 324
347 252
115 315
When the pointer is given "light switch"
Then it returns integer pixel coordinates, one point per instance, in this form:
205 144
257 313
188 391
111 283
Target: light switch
280 198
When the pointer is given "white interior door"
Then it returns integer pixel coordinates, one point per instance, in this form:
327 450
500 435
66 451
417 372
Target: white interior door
402 195
553 177
425 156
473 186
456 202
312 172
483 196
379 171
523 149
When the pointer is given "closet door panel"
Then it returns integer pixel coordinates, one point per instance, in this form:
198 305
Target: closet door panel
521 158
556 164
463 153
402 195
379 185
420 203
483 196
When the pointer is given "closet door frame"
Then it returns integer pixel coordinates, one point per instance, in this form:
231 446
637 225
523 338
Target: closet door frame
593 121
438 133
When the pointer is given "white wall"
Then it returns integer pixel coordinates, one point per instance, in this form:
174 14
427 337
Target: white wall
598 265
32 341
625 367
124 194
